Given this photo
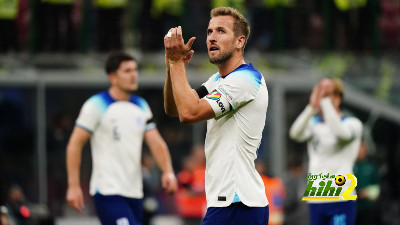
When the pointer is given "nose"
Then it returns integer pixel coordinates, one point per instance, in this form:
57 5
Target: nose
211 41
135 73
211 37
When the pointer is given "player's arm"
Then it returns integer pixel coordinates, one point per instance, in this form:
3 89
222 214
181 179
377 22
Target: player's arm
169 102
75 145
189 107
160 152
298 131
345 132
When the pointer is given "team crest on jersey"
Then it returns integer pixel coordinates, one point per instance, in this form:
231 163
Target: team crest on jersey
215 95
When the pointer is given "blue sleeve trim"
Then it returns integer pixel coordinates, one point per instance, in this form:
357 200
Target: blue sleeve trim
83 127
150 126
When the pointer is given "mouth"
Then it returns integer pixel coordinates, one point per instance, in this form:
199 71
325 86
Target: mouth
213 48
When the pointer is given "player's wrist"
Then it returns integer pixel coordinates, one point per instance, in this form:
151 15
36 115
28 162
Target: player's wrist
74 184
176 61
169 174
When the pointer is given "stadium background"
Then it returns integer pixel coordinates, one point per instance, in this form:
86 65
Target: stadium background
53 61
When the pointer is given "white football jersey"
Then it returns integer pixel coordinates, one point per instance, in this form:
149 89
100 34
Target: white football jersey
240 102
333 142
117 129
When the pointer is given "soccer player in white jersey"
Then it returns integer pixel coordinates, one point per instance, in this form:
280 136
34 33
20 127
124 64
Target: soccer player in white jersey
117 122
234 102
333 144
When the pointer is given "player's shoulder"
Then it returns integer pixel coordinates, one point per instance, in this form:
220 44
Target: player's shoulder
353 122
103 98
246 71
139 101
215 77
351 119
134 98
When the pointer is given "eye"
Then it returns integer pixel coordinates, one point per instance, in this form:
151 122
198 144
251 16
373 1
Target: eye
129 70
221 30
209 32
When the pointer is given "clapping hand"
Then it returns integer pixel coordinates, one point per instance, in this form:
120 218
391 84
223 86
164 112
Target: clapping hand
324 88
175 48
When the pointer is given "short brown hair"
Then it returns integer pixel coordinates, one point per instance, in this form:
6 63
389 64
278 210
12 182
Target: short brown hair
338 87
115 59
241 26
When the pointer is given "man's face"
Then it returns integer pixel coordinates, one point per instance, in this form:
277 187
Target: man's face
126 77
221 39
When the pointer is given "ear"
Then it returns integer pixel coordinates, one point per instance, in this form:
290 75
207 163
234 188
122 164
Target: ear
241 40
112 77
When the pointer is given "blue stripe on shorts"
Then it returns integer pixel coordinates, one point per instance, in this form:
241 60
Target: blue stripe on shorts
335 213
236 214
118 210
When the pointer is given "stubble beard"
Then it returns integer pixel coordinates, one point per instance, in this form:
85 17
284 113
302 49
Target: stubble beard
221 59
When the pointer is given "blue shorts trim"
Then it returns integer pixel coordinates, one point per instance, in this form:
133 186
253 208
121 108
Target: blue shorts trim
336 213
118 210
236 214
236 198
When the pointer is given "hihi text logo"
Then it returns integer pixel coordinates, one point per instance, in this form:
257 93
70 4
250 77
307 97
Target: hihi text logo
330 187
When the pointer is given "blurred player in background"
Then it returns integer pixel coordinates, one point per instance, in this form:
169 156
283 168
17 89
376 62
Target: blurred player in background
234 102
333 143
117 122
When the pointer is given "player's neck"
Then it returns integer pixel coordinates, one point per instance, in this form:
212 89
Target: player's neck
118 94
231 64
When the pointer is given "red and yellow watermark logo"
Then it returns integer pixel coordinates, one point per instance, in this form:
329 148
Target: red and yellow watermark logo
330 188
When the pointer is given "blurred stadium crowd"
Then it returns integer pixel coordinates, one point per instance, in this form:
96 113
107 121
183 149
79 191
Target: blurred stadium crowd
356 40
104 25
